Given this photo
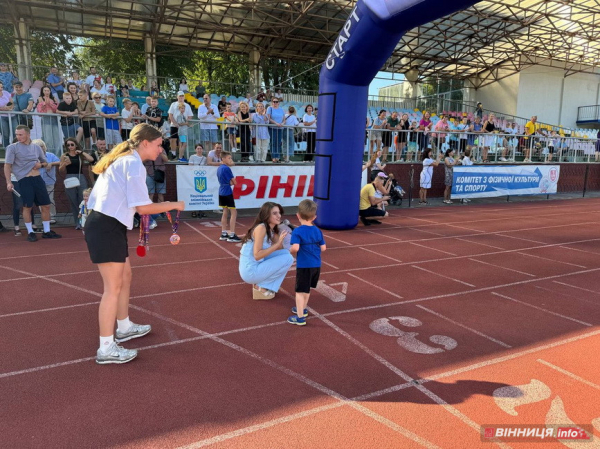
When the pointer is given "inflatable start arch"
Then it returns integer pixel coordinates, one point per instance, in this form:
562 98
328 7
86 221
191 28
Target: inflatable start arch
367 39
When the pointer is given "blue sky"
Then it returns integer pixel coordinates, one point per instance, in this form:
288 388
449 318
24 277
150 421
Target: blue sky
384 79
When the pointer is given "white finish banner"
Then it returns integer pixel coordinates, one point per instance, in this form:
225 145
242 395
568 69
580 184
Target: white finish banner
198 185
482 181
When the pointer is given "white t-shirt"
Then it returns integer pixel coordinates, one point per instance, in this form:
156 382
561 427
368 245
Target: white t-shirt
197 160
183 88
174 108
120 189
208 121
290 120
100 91
309 118
466 160
90 80
126 114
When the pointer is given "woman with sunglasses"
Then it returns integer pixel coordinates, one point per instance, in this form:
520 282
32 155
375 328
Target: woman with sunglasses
276 116
71 165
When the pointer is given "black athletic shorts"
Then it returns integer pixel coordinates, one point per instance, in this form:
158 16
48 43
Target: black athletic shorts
106 238
87 126
174 132
226 202
33 191
307 278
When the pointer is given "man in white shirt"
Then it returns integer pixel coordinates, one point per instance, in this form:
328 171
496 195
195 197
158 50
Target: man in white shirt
93 76
208 115
174 125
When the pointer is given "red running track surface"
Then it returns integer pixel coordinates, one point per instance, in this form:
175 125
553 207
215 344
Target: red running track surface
423 329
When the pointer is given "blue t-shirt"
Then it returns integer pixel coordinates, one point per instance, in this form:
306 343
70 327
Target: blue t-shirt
276 114
49 174
225 175
111 123
310 239
56 79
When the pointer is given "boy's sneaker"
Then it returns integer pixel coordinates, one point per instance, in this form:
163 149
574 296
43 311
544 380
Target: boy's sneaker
224 236
365 221
31 237
115 354
153 224
233 238
297 321
135 331
182 159
295 312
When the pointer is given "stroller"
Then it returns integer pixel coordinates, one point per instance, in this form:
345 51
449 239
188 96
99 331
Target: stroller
396 193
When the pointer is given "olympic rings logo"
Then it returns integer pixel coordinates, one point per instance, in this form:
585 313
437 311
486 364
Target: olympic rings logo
199 173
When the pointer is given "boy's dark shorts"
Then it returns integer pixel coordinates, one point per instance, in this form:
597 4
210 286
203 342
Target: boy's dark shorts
307 278
226 202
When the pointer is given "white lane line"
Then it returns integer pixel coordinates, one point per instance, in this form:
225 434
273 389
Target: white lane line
431 395
479 243
427 232
50 309
213 241
330 265
443 275
434 249
594 303
520 238
328 236
552 260
580 250
380 255
514 355
376 286
450 320
319 387
503 268
55 281
542 309
577 287
570 374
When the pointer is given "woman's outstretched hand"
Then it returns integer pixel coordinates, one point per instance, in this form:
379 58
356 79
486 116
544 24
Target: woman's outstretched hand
281 238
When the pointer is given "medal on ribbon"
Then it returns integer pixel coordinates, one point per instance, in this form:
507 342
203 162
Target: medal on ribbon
143 247
174 239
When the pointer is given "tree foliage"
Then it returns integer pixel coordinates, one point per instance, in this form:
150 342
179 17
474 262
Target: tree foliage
47 50
299 76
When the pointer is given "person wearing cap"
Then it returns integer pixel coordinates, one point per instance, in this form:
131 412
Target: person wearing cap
369 211
7 77
23 103
173 110
208 115
57 83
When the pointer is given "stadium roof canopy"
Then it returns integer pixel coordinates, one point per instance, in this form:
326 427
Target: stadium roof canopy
485 43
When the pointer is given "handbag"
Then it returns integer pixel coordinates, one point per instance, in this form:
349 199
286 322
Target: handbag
159 175
71 183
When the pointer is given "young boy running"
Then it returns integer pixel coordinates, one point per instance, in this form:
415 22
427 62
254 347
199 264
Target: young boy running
308 243
226 201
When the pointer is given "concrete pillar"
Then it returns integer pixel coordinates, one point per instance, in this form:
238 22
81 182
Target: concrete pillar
23 49
255 73
150 56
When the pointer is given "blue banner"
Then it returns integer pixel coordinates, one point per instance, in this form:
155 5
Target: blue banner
480 181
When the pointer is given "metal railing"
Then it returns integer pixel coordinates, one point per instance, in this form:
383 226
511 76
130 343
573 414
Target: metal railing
285 142
588 113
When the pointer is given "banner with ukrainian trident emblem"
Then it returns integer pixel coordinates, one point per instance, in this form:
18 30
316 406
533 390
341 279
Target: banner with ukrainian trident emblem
198 186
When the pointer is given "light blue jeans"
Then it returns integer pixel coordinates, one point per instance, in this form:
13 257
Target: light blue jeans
270 272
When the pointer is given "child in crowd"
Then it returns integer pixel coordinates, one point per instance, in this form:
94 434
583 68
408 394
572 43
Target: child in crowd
308 244
230 118
83 209
112 131
226 201
181 119
427 174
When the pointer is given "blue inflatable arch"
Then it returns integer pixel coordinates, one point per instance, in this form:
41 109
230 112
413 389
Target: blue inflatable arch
367 39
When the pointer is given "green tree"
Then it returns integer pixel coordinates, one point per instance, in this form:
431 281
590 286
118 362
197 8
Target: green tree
302 77
47 50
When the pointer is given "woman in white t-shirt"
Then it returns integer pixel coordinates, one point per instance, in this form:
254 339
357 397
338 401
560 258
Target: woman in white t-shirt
183 85
427 174
118 194
310 128
109 87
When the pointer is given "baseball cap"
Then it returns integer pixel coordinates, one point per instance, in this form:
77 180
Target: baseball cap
382 175
180 93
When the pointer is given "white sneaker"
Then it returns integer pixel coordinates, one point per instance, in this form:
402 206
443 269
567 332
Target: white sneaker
503 159
115 354
153 225
251 158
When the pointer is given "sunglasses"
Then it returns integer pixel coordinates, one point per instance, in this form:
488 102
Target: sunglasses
275 102
71 145
97 98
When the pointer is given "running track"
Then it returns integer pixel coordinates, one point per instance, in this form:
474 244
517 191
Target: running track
425 327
